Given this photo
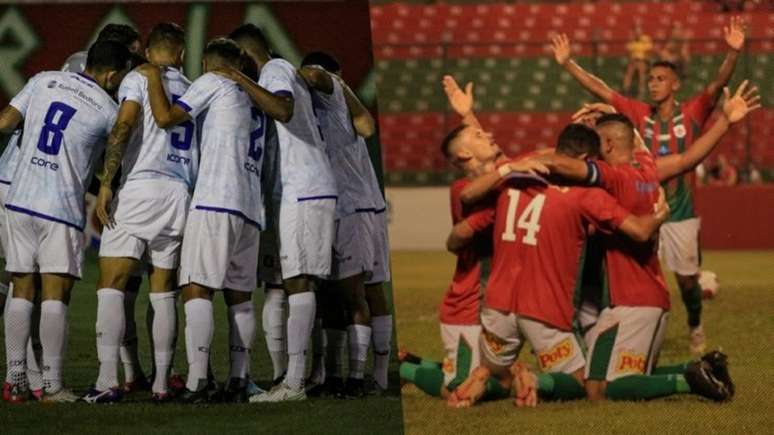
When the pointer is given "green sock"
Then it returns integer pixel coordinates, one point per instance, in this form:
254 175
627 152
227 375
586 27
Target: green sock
692 301
645 387
559 386
429 380
430 364
463 362
677 369
494 390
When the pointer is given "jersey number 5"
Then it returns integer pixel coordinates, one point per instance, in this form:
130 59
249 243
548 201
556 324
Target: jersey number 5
182 141
528 221
57 118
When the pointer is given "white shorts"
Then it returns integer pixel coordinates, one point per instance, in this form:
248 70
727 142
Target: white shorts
451 336
43 246
150 218
556 351
381 268
353 250
502 339
306 231
220 251
679 246
3 227
625 341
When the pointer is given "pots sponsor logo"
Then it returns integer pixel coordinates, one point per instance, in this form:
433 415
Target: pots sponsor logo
493 342
630 362
555 355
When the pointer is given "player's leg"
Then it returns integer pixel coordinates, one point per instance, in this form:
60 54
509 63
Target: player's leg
334 317
163 298
56 289
18 320
317 371
358 331
274 313
199 327
679 248
134 378
381 332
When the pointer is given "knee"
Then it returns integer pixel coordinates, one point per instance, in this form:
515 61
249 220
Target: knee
687 282
297 284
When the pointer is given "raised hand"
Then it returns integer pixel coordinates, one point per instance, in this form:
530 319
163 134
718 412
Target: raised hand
530 166
734 33
560 44
461 102
590 112
744 101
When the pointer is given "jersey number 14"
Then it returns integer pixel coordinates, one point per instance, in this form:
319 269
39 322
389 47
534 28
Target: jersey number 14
529 220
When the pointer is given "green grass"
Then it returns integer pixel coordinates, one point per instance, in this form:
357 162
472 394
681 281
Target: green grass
740 321
372 415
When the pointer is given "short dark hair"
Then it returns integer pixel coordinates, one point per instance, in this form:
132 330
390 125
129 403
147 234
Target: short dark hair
577 139
108 56
249 68
615 117
224 49
325 60
251 32
136 60
121 33
169 34
665 64
446 143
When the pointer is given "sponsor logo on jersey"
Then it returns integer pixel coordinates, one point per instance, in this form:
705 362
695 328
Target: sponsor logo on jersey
448 366
679 131
178 159
493 342
630 362
555 355
251 167
37 161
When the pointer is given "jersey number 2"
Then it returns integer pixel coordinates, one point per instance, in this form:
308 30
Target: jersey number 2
57 118
528 221
255 151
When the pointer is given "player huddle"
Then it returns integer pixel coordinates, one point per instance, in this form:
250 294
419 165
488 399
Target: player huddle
564 245
255 171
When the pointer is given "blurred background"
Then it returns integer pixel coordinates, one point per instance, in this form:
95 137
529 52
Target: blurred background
524 98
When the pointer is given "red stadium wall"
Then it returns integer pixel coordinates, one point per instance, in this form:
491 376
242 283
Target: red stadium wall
738 217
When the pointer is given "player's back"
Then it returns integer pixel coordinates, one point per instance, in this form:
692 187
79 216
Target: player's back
633 270
304 166
154 153
67 118
357 186
232 141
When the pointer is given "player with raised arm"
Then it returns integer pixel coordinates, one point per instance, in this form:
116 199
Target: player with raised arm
67 118
669 127
148 215
345 123
306 210
221 236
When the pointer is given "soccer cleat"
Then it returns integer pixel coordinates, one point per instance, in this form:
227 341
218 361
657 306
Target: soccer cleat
280 393
162 398
354 388
195 397
37 394
718 361
698 340
704 383
111 395
235 391
14 393
253 389
62 396
332 387
140 384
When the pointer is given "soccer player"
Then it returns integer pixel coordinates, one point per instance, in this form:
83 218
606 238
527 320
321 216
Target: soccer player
67 118
306 211
627 336
345 123
220 243
8 162
539 240
148 215
669 127
121 33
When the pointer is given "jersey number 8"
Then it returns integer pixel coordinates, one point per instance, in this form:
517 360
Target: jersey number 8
57 118
529 219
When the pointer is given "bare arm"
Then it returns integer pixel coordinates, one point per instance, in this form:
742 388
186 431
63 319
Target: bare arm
165 114
461 235
128 114
483 184
10 118
734 35
562 52
734 109
461 101
317 78
364 123
278 107
572 169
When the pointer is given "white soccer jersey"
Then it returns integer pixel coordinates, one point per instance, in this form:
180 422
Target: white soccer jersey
305 172
10 158
153 152
76 62
67 118
232 142
355 177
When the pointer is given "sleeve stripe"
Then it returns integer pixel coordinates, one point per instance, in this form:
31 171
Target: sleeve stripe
593 176
283 93
182 104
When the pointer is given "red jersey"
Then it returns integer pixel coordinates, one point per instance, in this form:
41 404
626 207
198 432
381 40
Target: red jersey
633 272
672 136
539 244
460 304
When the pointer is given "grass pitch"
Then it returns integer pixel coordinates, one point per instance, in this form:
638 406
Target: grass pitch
740 320
373 415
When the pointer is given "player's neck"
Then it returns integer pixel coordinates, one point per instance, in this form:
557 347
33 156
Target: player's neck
666 108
